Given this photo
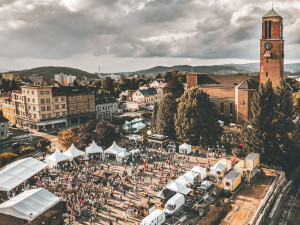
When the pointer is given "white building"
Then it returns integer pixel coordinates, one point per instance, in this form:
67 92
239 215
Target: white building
106 106
64 79
3 128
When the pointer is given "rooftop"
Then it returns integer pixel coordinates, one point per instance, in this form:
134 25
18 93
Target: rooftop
271 13
252 156
232 175
148 92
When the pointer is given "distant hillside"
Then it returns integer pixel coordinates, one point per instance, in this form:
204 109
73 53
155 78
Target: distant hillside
228 69
49 71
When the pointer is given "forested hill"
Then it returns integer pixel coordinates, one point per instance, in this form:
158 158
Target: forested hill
49 71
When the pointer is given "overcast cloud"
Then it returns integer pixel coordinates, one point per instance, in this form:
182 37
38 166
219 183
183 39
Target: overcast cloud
127 35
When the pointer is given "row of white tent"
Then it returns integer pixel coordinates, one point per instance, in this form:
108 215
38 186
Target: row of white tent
180 184
73 152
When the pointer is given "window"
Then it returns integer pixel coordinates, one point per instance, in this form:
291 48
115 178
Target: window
33 100
63 98
231 108
56 99
42 101
63 114
56 106
43 108
267 74
91 96
2 133
48 108
71 98
29 107
92 103
84 104
243 102
222 107
33 108
270 29
49 115
34 115
63 106
84 110
28 99
227 183
267 60
57 114
83 97
44 116
48 100
32 92
72 112
42 92
27 92
78 111
92 110
266 29
47 92
78 97
78 104
72 105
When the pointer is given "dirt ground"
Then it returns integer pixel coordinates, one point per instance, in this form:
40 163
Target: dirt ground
247 201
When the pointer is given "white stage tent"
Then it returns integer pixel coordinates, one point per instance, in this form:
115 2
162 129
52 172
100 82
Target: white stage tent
218 167
135 151
123 154
55 158
191 175
138 126
18 172
114 149
33 203
185 180
178 187
185 148
93 148
73 152
200 170
135 137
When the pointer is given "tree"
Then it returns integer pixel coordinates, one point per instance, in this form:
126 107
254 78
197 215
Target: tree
154 115
106 134
168 76
146 115
86 134
259 137
67 138
13 85
75 83
108 85
196 120
165 116
43 143
158 76
175 87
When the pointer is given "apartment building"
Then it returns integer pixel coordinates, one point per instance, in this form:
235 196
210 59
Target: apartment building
106 106
10 76
64 79
80 103
3 128
147 97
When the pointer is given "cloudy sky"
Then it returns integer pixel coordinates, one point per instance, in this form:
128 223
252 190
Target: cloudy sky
128 35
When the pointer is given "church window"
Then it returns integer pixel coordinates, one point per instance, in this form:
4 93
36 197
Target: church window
267 74
243 102
231 108
266 29
222 107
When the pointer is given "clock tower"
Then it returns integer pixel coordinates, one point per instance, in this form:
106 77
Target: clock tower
271 48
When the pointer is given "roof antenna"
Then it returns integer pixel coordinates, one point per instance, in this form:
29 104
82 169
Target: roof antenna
272 4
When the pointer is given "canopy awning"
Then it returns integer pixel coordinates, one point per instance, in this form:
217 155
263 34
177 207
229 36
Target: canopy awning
73 152
55 158
135 151
185 180
51 122
114 149
29 203
178 187
165 194
18 172
123 154
200 170
93 148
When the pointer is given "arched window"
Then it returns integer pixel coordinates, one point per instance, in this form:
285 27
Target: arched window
270 23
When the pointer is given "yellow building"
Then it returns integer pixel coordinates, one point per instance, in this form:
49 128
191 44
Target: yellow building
232 180
8 110
10 76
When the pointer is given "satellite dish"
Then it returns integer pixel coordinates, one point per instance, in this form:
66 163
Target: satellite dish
149 132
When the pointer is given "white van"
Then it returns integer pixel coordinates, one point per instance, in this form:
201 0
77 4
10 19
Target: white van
206 185
157 217
174 203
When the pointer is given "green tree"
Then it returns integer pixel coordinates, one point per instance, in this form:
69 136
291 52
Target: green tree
86 134
196 120
43 144
75 83
168 76
106 134
165 116
108 85
260 137
67 138
175 87
154 115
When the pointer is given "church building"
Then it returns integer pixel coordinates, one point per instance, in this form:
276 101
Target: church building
232 93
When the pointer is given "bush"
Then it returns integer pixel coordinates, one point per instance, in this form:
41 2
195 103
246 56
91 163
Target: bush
146 115
7 157
238 152
26 149
43 143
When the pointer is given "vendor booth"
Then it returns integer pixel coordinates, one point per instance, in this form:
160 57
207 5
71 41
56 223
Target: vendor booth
200 170
55 158
178 187
94 148
73 152
185 149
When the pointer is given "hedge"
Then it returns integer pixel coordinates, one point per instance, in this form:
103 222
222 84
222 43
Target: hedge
26 149
7 157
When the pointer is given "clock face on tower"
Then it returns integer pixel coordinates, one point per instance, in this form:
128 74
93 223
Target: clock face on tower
268 45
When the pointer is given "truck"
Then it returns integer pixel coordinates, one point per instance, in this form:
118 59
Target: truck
206 185
174 203
157 217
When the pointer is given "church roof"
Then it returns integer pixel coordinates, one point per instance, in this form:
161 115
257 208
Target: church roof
248 84
271 13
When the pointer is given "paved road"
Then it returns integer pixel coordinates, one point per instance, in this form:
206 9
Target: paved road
294 215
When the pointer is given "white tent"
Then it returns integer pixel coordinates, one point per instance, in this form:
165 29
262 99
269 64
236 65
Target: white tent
135 151
33 203
200 170
191 175
138 126
218 167
185 148
73 152
123 154
136 120
178 187
135 137
55 158
93 148
114 149
185 180
18 172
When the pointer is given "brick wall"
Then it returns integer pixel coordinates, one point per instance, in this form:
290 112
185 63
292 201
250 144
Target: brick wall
243 105
219 92
191 80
